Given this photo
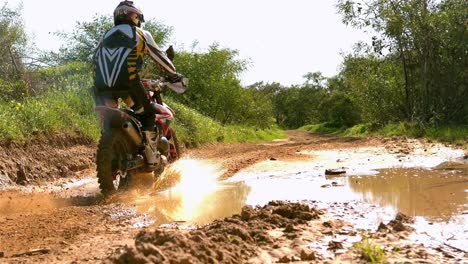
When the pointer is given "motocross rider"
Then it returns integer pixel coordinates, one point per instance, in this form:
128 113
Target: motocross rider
118 59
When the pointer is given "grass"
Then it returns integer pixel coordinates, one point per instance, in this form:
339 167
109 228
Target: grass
322 128
370 252
195 129
69 109
457 135
53 112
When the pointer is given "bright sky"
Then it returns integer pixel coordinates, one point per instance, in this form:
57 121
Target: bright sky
282 39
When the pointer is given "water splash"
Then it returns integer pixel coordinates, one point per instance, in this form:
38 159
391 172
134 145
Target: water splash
185 192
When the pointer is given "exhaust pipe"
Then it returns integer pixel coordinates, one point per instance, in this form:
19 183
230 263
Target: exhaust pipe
132 132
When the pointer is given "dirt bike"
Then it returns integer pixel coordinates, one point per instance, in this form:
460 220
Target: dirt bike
120 155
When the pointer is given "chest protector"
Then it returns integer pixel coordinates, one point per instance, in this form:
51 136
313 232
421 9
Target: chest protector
118 58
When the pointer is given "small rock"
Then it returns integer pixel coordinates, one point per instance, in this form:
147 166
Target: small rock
63 170
404 218
382 227
334 245
334 171
284 259
273 158
397 226
21 176
307 255
247 212
290 228
2 254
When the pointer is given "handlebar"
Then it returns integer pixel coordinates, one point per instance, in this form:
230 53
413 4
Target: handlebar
156 85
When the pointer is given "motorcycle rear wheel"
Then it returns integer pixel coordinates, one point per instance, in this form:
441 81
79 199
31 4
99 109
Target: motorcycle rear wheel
111 161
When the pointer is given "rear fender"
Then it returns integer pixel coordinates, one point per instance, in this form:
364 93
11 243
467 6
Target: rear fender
114 118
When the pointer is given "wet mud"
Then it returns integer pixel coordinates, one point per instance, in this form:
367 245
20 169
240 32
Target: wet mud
254 203
281 232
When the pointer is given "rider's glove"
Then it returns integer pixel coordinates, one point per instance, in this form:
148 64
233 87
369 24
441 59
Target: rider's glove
177 77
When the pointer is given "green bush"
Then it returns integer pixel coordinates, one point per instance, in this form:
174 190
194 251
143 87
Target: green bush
53 112
370 252
340 110
195 129
75 75
403 129
13 90
358 130
251 134
323 128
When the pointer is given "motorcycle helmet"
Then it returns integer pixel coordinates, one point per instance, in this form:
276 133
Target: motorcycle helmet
127 13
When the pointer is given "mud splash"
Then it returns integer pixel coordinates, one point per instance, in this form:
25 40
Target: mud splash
14 202
189 192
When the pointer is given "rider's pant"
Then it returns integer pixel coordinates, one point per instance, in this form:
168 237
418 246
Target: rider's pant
134 96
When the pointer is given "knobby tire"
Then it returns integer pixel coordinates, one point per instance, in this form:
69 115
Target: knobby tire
110 161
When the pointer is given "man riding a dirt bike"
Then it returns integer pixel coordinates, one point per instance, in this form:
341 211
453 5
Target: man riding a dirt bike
118 59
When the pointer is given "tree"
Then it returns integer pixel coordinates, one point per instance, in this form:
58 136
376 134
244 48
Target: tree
427 40
215 89
82 41
299 105
13 41
262 104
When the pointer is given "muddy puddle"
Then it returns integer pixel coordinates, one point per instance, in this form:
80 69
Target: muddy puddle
435 197
375 185
373 189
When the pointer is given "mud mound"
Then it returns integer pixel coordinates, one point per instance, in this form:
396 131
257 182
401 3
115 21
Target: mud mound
45 158
282 232
232 240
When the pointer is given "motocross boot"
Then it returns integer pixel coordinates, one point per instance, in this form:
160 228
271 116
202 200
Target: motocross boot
151 150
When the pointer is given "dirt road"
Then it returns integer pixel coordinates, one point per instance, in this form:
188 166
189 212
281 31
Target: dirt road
202 211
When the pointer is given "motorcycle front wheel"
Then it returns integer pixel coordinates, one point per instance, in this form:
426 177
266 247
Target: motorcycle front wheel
175 151
111 161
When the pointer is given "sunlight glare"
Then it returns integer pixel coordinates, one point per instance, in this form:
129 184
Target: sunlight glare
193 183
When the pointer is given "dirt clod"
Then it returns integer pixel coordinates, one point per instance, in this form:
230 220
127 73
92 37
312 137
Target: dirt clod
334 245
247 213
232 240
307 255
21 177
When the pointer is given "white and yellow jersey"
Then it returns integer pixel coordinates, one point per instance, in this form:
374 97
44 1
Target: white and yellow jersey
119 56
